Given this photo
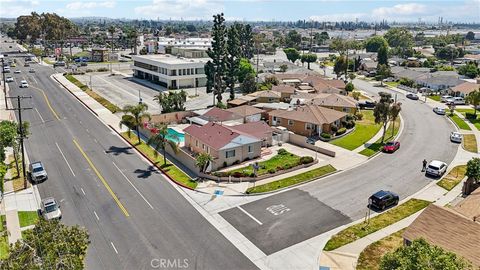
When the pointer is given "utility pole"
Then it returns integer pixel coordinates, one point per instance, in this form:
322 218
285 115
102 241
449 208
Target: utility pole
22 132
4 83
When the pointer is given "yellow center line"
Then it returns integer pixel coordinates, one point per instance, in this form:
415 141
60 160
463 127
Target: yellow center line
102 179
48 102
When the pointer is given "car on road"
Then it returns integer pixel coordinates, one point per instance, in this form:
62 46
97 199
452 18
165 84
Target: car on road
367 104
412 96
18 71
391 147
59 64
456 137
6 69
436 168
50 209
439 111
13 65
31 70
37 171
23 84
383 199
444 98
26 64
9 79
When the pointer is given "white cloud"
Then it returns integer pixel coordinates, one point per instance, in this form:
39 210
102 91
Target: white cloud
402 10
180 9
15 8
90 5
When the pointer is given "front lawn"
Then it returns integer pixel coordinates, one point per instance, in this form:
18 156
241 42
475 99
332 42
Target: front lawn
379 222
365 129
27 218
292 180
392 84
170 169
454 177
435 97
470 143
3 239
459 122
285 160
392 131
371 256
475 122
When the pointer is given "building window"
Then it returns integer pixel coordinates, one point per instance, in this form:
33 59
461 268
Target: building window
203 146
208 150
290 122
250 149
308 126
347 110
274 118
196 143
230 153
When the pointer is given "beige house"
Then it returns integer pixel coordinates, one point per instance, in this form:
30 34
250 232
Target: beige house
332 101
286 91
267 96
249 113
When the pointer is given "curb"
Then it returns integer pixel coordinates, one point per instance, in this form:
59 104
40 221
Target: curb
54 77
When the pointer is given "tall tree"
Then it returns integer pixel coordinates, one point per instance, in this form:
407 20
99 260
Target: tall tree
233 58
292 54
470 35
203 160
111 30
218 53
245 68
382 55
139 112
210 73
421 255
474 99
383 72
473 169
309 58
374 43
340 65
293 39
399 38
382 112
246 40
49 245
249 85
160 138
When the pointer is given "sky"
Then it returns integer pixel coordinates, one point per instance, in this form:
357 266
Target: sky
254 10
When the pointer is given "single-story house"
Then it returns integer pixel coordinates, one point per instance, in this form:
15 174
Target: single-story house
249 113
463 89
222 143
438 83
449 230
242 100
259 130
368 65
407 73
272 106
308 120
322 85
286 91
332 101
216 114
267 96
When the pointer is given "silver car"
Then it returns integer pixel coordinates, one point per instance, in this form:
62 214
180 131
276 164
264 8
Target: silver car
50 209
456 137
436 168
38 172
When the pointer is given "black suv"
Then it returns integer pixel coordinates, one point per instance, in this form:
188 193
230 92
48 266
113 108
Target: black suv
383 199
367 104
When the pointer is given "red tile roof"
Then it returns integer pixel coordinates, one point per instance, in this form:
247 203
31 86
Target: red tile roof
213 134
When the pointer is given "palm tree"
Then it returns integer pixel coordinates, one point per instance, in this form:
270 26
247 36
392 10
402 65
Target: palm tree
111 30
160 140
474 99
138 112
202 161
128 121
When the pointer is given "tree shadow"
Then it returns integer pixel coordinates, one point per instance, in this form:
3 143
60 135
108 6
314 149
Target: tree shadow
119 150
141 173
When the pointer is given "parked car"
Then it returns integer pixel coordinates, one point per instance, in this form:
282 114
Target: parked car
391 147
31 70
456 101
9 79
6 69
50 209
456 137
26 64
383 199
18 71
444 98
59 64
412 96
367 104
311 141
23 84
37 171
436 168
13 65
439 111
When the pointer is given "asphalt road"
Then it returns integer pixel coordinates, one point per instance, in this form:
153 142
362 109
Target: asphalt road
133 215
321 205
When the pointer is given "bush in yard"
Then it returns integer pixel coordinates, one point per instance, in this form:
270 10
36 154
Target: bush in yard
341 131
272 171
344 123
359 116
282 151
470 116
306 159
350 124
224 164
238 174
326 135
287 166
279 168
334 128
349 117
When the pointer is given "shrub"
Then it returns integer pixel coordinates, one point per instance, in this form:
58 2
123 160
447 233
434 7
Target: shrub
279 168
471 116
102 69
344 123
350 124
334 128
325 135
272 171
252 174
287 166
238 174
282 151
89 70
224 164
341 131
349 117
306 160
221 174
359 116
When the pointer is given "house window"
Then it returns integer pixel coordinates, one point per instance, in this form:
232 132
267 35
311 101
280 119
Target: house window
230 153
196 143
308 126
208 150
346 110
290 122
271 99
274 118
203 146
250 149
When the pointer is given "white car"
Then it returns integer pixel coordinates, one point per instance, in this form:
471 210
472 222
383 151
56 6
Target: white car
23 84
17 71
436 168
444 98
50 209
456 101
9 79
456 137
439 111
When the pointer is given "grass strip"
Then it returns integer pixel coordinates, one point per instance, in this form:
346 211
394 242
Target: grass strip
105 103
292 180
435 97
470 143
376 223
371 256
461 124
27 218
454 177
170 169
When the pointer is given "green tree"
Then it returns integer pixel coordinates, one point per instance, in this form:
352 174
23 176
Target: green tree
283 68
382 112
49 245
473 169
203 160
309 58
139 112
340 65
129 122
112 30
209 72
399 38
383 72
320 38
232 59
171 101
394 113
246 40
292 54
356 95
293 39
249 85
244 69
218 54
159 140
349 87
470 70
382 55
470 35
474 99
421 255
374 43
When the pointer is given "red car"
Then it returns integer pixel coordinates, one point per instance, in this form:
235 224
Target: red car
391 147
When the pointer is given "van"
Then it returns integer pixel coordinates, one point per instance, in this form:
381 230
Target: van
444 98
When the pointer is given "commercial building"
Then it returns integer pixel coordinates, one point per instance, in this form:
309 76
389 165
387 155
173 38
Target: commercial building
170 71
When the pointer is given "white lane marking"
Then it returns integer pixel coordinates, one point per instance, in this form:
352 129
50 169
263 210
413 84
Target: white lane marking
43 121
116 251
34 79
95 213
248 214
83 191
68 164
132 185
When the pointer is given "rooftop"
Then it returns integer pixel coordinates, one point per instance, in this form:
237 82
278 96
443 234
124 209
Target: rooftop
169 59
310 114
245 110
218 136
